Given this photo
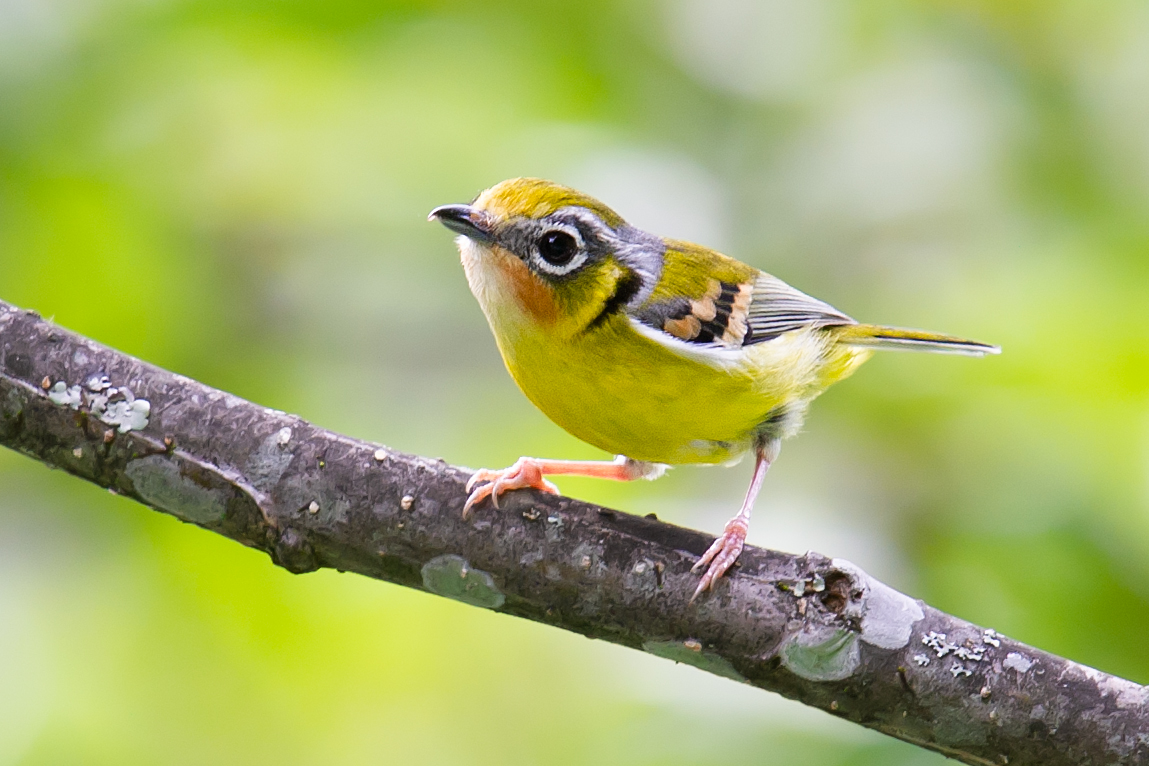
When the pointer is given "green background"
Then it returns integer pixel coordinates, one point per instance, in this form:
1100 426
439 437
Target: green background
237 190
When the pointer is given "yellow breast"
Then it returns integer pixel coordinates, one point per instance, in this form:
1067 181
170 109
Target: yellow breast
631 395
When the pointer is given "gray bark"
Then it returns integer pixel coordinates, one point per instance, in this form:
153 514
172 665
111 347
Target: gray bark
811 628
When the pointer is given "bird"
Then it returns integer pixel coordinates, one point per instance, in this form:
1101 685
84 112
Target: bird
658 351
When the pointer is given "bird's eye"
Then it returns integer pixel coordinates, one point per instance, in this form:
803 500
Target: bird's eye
557 248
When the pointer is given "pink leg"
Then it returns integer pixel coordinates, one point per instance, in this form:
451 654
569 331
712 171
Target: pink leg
529 472
726 549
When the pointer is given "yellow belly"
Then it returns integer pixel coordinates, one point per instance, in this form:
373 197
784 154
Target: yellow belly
630 395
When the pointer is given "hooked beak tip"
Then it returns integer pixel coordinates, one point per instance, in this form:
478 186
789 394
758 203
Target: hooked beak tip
463 219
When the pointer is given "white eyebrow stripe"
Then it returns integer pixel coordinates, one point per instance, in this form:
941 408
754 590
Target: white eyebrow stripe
588 217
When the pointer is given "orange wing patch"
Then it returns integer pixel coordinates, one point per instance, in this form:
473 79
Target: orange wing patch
717 316
686 328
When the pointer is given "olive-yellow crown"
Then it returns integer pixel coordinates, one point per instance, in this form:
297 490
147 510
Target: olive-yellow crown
535 198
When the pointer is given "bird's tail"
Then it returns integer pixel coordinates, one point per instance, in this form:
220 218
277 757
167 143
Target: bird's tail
896 338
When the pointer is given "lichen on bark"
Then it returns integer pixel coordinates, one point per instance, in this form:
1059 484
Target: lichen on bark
811 628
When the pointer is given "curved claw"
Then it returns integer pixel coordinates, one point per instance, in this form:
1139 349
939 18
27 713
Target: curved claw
722 554
483 474
525 473
473 499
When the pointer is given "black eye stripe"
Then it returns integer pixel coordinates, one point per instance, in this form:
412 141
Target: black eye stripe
542 243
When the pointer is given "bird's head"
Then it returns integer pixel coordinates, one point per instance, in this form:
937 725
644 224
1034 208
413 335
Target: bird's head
537 251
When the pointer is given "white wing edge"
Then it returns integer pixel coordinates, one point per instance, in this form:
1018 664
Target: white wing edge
709 353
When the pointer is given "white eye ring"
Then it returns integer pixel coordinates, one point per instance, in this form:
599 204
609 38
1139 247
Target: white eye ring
560 269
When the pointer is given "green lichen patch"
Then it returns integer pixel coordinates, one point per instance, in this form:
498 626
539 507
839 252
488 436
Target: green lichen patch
117 407
126 415
825 655
266 465
12 405
64 396
690 653
453 577
158 481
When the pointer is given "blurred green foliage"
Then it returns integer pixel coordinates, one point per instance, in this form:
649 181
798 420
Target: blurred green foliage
237 191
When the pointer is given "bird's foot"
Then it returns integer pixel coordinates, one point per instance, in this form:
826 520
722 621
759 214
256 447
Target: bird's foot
722 554
527 472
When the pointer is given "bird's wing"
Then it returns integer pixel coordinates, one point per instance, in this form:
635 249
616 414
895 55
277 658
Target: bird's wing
776 308
708 303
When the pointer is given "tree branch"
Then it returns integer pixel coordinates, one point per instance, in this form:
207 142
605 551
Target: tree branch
814 629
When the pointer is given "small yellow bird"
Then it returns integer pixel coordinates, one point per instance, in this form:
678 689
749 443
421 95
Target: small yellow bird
659 351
